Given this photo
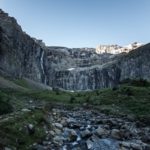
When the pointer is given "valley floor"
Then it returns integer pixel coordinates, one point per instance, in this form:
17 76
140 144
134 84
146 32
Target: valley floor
60 127
108 119
84 128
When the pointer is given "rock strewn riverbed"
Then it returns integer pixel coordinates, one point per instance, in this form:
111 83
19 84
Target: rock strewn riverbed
86 129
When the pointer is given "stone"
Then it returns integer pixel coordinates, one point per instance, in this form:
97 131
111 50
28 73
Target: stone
58 125
52 133
57 131
115 133
25 110
136 146
64 122
89 144
30 101
7 148
73 136
146 138
70 134
31 129
103 144
58 140
147 147
125 144
86 134
101 131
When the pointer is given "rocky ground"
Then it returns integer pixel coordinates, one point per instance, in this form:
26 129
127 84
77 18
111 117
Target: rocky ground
83 129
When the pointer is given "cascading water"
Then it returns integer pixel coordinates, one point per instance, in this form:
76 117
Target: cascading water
42 66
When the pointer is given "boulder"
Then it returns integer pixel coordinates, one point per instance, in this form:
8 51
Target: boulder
101 131
115 133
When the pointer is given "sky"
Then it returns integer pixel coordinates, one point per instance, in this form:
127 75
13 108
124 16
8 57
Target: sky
82 23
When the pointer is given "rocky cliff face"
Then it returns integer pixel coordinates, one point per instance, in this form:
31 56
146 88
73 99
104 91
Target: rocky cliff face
136 64
20 55
75 69
69 69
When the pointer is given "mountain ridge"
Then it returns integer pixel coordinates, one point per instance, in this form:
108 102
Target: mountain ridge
66 68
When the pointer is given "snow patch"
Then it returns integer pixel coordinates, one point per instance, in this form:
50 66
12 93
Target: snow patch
70 69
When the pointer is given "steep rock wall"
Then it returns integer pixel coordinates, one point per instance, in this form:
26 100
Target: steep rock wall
66 68
20 55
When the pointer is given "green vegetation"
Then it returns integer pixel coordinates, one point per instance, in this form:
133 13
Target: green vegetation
21 82
5 106
129 98
139 83
14 131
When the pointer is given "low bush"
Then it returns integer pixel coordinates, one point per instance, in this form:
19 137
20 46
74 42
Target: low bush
5 106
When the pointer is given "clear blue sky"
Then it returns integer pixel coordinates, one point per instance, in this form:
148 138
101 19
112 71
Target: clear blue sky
82 23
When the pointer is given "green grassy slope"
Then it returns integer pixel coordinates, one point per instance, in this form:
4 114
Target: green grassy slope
125 99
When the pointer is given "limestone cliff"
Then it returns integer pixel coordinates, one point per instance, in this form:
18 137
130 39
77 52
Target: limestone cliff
20 55
60 67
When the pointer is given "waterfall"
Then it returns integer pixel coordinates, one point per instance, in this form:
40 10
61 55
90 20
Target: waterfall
42 66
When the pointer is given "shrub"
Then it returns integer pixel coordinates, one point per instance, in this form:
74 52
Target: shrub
87 99
140 83
72 99
115 88
136 82
126 91
56 90
5 106
79 95
97 92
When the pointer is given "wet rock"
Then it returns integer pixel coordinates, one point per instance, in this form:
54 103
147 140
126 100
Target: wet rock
79 146
103 144
88 126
